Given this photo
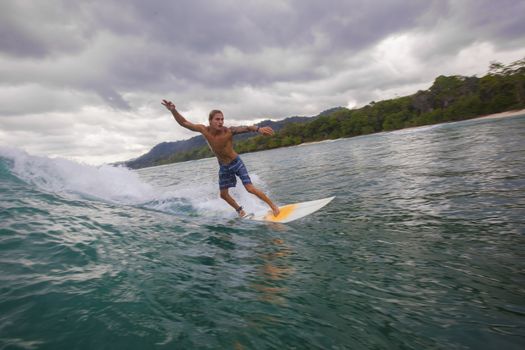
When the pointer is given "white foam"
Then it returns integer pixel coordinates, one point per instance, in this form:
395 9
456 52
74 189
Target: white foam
204 198
125 186
62 176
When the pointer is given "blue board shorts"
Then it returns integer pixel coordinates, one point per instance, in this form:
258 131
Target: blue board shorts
228 172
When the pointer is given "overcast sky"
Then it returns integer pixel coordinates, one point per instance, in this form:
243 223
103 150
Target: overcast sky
84 79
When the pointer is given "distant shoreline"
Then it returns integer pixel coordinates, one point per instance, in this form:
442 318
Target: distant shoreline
501 115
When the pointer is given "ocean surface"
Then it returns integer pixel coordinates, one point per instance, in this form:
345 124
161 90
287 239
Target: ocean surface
422 248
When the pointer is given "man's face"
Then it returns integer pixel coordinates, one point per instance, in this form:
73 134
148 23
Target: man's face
217 121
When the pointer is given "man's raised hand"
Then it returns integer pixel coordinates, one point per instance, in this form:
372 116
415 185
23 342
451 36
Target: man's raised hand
169 105
266 130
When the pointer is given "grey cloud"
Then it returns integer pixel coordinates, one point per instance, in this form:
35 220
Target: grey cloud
497 20
196 33
36 99
352 25
473 21
252 25
192 32
184 41
39 29
112 97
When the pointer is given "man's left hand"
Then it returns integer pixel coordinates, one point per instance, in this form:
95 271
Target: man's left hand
266 130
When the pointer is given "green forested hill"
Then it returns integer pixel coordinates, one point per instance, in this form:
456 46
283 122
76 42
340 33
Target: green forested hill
450 98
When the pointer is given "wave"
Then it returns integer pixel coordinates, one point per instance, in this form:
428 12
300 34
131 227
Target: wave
116 185
67 177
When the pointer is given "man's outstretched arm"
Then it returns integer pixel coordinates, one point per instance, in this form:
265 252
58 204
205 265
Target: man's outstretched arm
180 119
265 130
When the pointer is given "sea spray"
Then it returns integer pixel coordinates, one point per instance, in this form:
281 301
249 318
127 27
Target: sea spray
69 178
120 185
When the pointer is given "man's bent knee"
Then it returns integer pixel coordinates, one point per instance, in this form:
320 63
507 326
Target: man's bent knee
224 194
250 188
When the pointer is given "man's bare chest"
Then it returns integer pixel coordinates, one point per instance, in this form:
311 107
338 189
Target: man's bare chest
219 140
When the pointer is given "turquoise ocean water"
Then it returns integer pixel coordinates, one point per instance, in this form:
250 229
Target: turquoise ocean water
423 248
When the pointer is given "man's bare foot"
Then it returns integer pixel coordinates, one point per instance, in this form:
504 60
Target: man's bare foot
241 212
275 210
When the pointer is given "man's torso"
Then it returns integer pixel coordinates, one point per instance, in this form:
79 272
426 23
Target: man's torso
221 143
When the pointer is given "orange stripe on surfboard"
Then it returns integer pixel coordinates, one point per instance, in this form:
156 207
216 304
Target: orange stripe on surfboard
285 211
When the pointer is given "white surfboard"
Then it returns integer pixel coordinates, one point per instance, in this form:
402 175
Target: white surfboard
291 212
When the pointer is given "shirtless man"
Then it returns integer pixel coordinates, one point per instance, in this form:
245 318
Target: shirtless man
220 140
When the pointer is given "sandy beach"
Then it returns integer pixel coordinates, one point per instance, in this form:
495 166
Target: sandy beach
502 114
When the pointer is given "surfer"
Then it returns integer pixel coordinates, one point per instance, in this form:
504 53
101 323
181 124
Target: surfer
220 140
